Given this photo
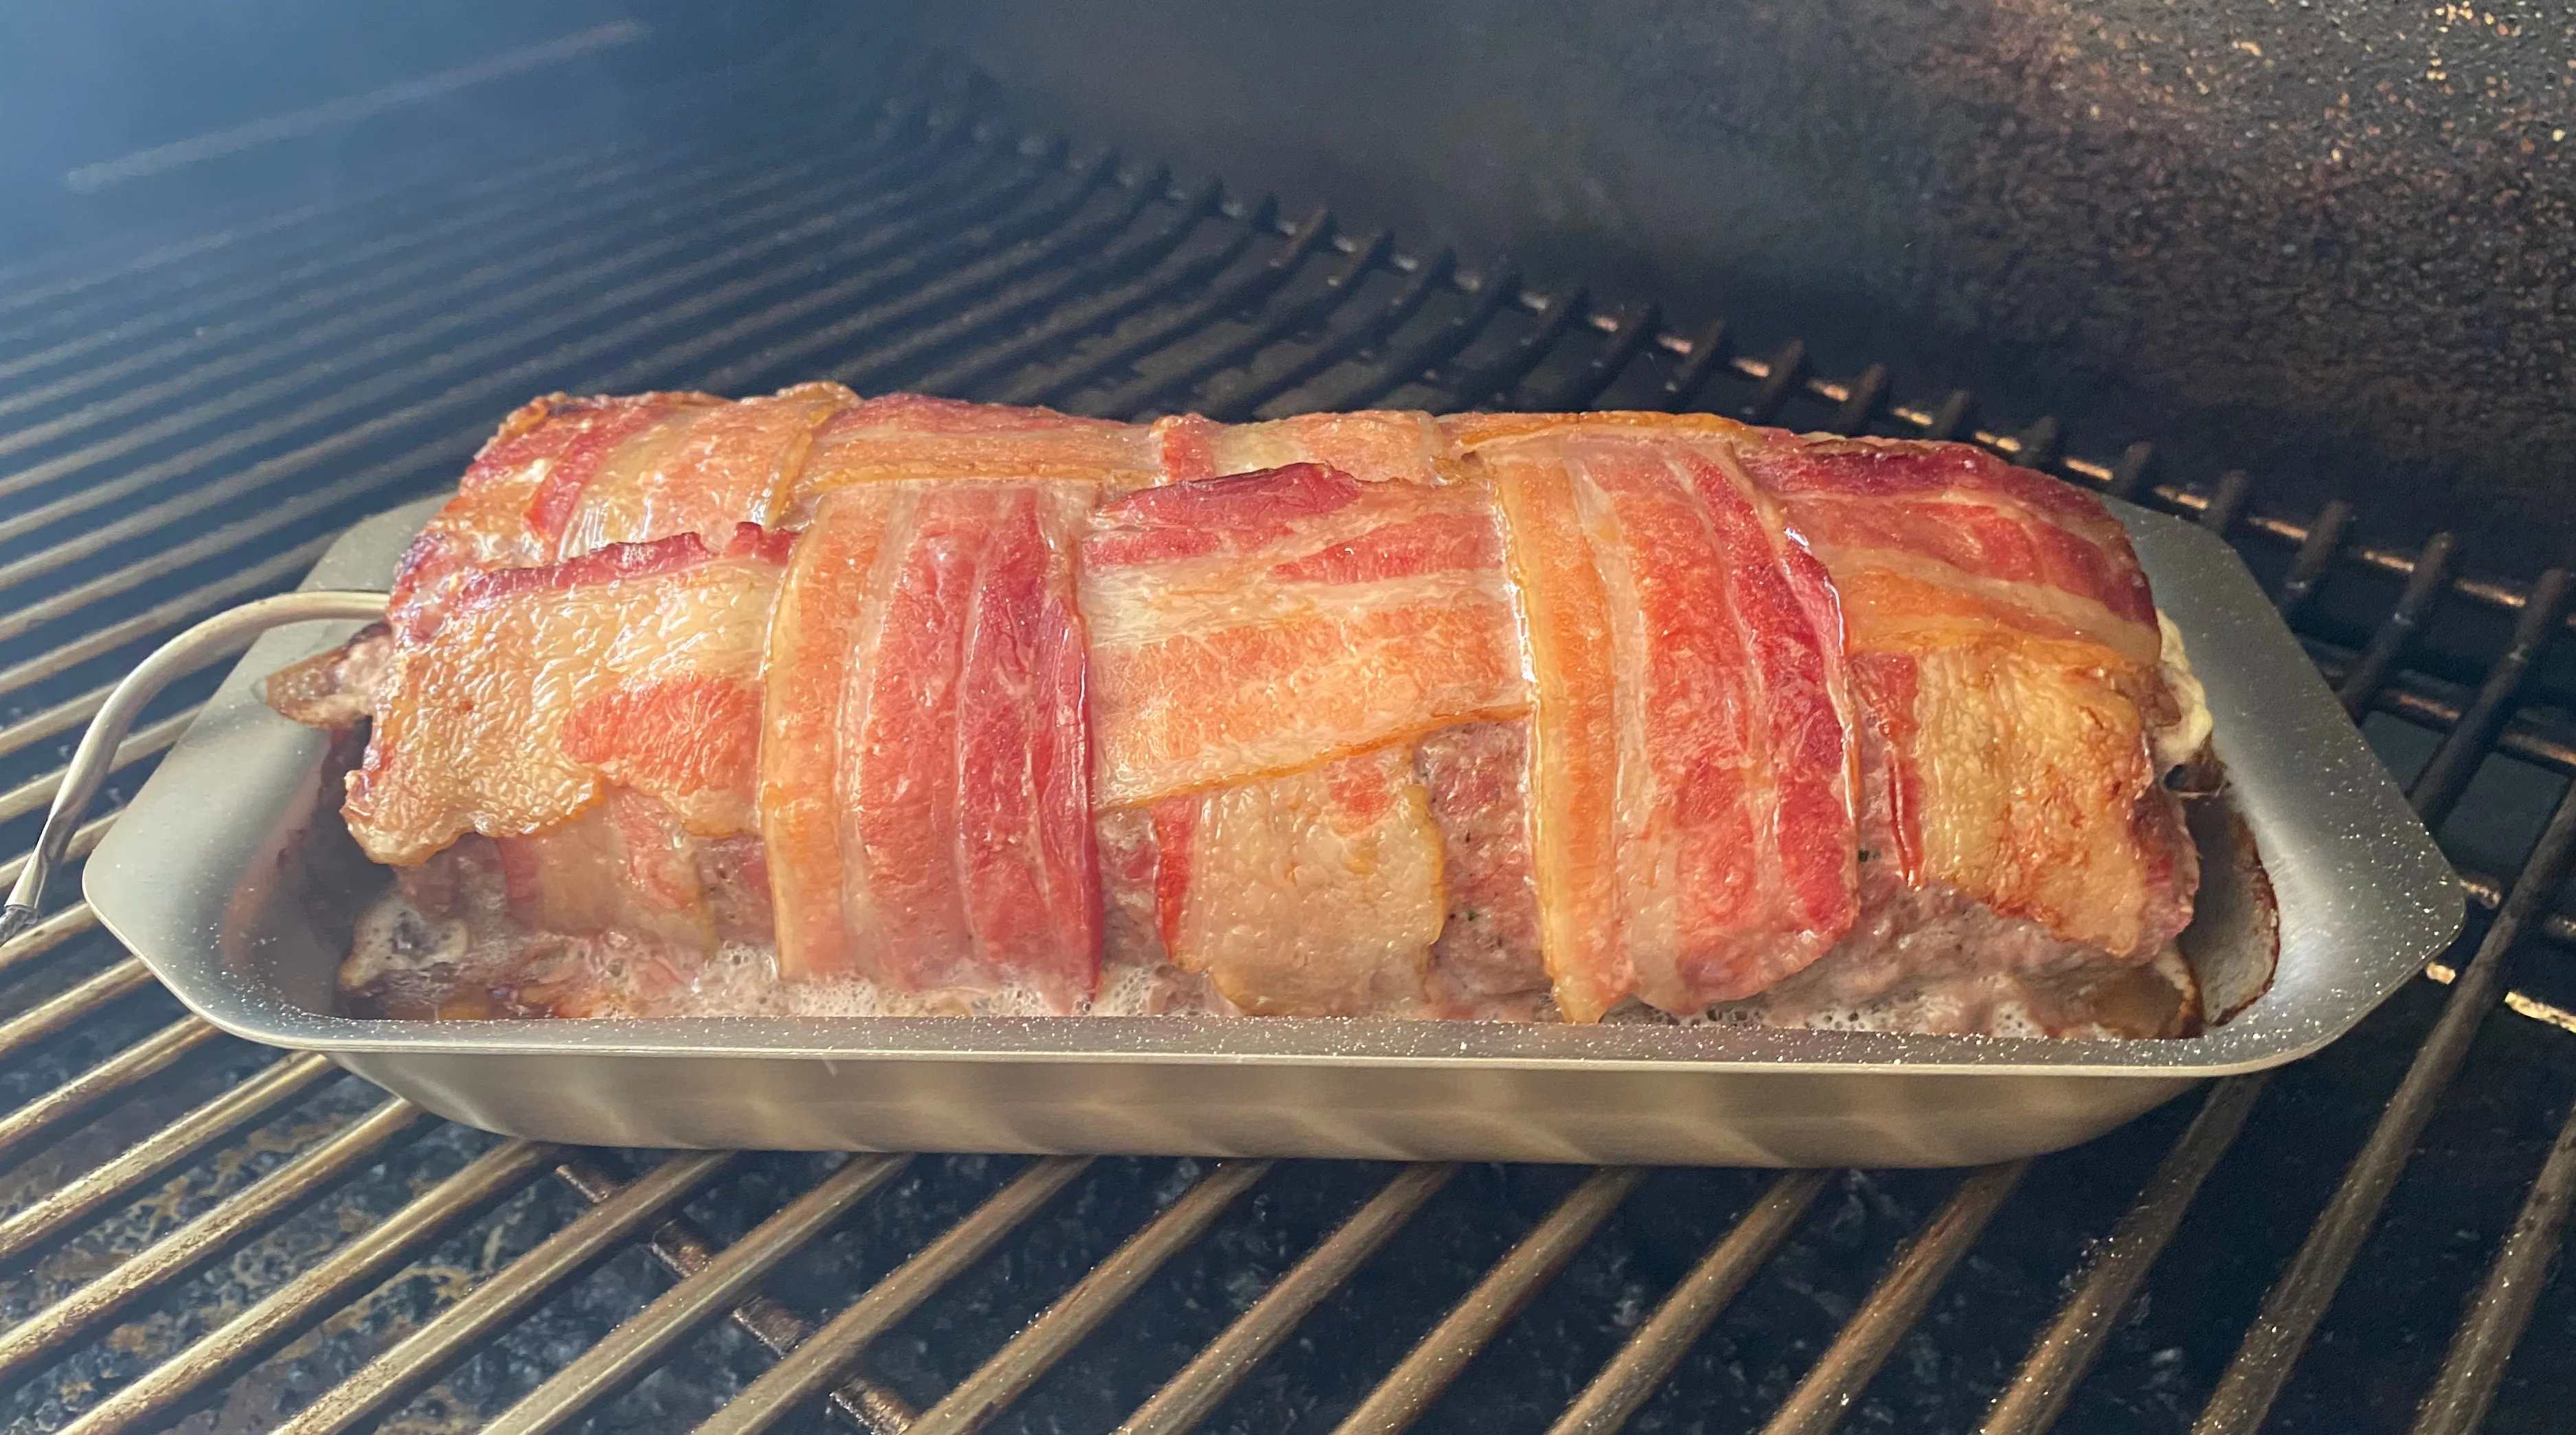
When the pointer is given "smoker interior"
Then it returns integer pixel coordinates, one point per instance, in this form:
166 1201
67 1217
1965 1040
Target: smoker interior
206 1234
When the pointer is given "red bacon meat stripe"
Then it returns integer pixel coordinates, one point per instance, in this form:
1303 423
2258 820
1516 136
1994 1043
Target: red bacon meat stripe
1720 801
925 781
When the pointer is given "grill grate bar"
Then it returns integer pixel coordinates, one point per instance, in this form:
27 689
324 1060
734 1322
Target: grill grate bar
1825 1396
130 1067
259 477
1009 245
1108 308
2226 502
587 1239
1866 399
683 1251
1079 1311
262 265
993 229
2063 1355
70 713
252 1100
812 1366
2297 1302
932 245
162 1392
278 469
47 935
1781 377
1243 292
58 1014
1690 1308
1221 1365
382 219
1290 318
772 227
2037 446
262 476
2519 739
720 1282
1391 373
1709 351
2474 1368
282 568
414 286
1635 325
1949 421
2397 634
2068 1348
1437 1358
2318 548
35 794
2519 1002
1700 358
240 1216
223 539
1113 261
2437 789
192 248
1497 377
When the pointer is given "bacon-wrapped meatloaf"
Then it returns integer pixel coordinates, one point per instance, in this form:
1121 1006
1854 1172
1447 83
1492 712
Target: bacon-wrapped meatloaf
809 703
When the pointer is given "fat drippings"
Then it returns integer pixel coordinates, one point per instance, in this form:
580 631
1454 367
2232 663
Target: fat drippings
406 964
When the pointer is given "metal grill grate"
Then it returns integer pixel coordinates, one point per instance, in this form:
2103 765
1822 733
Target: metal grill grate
203 1231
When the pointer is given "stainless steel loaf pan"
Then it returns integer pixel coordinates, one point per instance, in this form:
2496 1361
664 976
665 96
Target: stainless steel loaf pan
232 876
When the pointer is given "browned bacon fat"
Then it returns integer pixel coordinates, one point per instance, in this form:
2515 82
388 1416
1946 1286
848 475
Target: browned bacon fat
1355 714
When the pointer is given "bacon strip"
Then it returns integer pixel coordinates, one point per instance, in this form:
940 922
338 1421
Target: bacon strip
1729 818
1374 445
926 811
509 506
1026 847
907 437
543 686
818 638
1265 622
1574 732
2006 649
699 470
2010 546
1314 894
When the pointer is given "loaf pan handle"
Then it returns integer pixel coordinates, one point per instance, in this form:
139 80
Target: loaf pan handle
183 654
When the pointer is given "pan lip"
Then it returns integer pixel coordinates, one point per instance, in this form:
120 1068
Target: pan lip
2293 739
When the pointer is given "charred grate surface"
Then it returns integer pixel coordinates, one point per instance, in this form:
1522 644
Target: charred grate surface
201 1234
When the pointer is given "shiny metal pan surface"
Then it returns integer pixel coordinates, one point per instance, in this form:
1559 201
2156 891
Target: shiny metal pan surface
231 875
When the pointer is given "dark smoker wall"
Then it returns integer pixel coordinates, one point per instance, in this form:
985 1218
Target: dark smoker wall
89 81
2328 241
2331 242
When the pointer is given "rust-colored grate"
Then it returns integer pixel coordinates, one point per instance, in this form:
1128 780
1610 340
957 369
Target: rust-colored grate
199 1231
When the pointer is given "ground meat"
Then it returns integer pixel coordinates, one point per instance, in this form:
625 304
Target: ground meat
1486 961
1919 959
734 873
337 688
1131 935
1931 960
